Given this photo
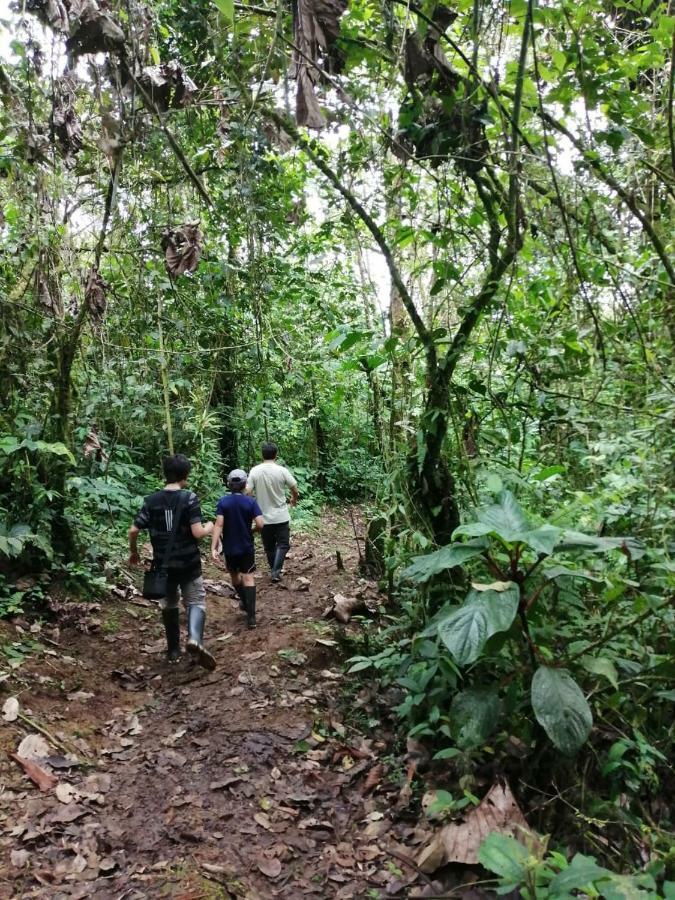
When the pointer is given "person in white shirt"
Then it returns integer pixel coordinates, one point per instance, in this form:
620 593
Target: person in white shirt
270 481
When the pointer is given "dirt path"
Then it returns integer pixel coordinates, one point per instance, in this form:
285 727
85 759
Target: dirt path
244 782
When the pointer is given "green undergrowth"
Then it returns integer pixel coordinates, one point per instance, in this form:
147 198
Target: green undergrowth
545 654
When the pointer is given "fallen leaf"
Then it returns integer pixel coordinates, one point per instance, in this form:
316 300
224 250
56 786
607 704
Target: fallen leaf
459 842
65 792
270 867
64 815
258 654
33 746
373 779
63 762
498 586
133 726
170 758
97 783
225 783
171 740
10 709
44 780
19 858
263 820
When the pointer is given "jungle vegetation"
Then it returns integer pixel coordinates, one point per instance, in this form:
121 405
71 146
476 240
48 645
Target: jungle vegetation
427 247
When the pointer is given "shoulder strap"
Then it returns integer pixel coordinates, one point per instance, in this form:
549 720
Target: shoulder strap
180 506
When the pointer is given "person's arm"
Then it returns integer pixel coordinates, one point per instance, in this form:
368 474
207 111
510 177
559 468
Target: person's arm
259 523
198 529
215 538
250 485
141 521
134 558
293 485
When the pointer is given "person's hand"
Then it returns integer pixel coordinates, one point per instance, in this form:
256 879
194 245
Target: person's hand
293 501
215 555
134 560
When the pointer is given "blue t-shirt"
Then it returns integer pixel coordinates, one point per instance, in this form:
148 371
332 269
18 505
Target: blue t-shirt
238 512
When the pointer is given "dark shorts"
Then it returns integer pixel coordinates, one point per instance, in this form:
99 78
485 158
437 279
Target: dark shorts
242 562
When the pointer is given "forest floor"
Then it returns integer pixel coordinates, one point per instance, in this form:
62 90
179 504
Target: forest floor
257 780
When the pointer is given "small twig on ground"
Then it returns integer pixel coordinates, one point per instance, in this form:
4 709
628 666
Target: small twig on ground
52 738
407 861
356 536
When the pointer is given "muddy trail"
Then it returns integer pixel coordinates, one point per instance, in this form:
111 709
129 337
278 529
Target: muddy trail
257 780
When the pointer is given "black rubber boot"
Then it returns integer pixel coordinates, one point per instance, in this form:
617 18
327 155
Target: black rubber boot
195 644
171 619
240 589
250 606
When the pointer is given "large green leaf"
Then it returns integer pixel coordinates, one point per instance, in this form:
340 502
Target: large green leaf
601 665
575 540
422 568
502 605
505 856
474 715
543 539
505 517
581 872
484 613
561 708
226 9
506 520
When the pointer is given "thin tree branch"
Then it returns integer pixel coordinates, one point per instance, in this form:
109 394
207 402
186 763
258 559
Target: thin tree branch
314 153
592 162
175 146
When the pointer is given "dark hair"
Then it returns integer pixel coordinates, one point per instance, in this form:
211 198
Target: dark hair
176 468
269 450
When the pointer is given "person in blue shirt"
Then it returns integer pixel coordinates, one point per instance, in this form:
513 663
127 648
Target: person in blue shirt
236 513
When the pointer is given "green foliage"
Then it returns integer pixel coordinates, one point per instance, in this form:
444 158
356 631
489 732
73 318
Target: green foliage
561 708
518 341
552 876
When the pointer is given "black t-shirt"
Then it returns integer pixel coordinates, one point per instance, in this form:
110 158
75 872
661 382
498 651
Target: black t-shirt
157 515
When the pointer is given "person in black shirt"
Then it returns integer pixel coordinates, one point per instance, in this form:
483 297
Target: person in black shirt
185 564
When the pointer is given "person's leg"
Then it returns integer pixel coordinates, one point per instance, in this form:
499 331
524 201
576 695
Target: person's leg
237 584
283 544
194 597
171 620
269 539
250 592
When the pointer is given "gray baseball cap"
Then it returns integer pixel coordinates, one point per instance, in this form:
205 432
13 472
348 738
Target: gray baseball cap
237 477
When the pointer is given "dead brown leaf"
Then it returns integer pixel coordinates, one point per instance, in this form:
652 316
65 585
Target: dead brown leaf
459 842
263 820
225 783
44 780
19 858
270 867
373 779
182 249
95 291
316 26
92 447
168 85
